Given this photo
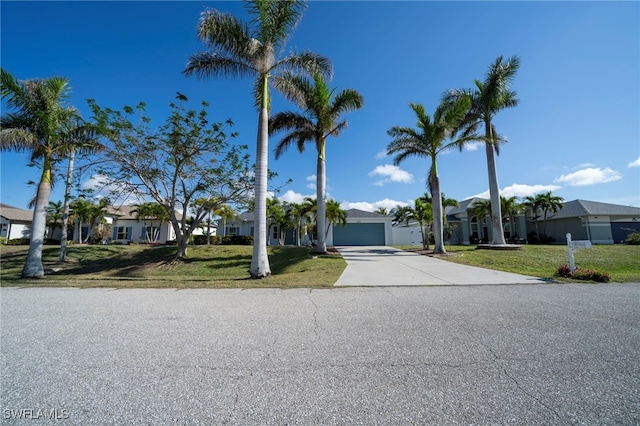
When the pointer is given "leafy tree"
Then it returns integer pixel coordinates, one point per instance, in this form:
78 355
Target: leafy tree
320 118
254 50
38 114
186 159
428 141
489 97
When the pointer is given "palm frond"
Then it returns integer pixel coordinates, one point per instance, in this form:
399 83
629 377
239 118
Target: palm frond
225 33
18 140
275 21
305 63
210 64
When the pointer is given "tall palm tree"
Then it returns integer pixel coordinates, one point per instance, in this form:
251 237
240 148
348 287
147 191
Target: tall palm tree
254 50
428 140
489 97
39 112
548 203
321 118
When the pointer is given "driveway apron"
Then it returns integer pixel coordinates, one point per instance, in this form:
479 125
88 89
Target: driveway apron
387 266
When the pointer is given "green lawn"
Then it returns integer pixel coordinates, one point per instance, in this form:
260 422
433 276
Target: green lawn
621 262
148 266
227 266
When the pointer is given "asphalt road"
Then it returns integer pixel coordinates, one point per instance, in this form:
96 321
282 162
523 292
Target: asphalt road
506 354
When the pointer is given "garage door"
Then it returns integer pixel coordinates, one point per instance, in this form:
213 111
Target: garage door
620 230
359 234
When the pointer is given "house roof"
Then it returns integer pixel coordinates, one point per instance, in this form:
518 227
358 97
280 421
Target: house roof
578 208
126 212
15 214
355 213
464 205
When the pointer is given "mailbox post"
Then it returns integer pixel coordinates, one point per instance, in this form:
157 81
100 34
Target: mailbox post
575 245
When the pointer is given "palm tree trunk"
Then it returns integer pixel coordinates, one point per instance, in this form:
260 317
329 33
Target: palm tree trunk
65 208
437 213
321 179
260 261
33 266
494 193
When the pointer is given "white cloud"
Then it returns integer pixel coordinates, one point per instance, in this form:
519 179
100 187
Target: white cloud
382 154
311 178
589 176
390 173
583 166
294 197
370 207
473 146
518 190
634 163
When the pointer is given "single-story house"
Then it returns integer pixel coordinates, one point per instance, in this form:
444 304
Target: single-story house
362 228
126 228
15 222
600 223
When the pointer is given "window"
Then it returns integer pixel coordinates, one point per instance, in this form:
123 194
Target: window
275 232
232 231
122 233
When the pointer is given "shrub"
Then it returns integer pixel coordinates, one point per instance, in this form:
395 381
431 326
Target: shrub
243 240
3 240
19 242
582 274
633 239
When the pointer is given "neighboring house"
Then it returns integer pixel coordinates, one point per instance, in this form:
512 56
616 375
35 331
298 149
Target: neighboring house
600 223
362 228
15 222
126 228
465 228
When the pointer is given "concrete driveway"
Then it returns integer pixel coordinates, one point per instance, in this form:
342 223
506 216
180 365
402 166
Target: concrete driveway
387 266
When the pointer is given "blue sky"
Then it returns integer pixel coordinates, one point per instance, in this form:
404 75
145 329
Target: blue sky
575 132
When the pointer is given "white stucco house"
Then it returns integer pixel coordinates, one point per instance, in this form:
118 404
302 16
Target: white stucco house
15 222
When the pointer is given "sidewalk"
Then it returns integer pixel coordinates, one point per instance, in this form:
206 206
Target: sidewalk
387 266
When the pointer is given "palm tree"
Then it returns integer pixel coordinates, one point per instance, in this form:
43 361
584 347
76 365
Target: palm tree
81 212
299 214
382 211
321 118
54 216
39 114
225 212
428 141
482 209
151 214
401 214
548 203
334 216
509 208
490 96
252 50
422 213
533 202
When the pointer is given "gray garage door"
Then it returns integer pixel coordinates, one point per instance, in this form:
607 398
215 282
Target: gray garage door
359 234
620 230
